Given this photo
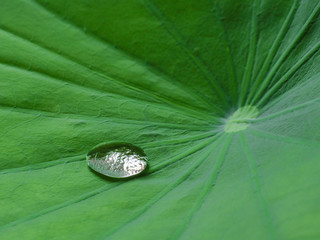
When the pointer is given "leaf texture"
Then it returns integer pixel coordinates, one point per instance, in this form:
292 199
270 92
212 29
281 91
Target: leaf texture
165 76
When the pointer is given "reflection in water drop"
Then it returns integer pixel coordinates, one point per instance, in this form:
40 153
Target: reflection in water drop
117 160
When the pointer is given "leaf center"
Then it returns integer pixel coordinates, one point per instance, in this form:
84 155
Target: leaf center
241 119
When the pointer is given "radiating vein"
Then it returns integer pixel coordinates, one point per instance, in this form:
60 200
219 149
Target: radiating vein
289 92
279 113
180 108
279 137
286 53
43 165
48 77
188 90
161 194
12 127
79 199
210 184
92 194
101 119
287 75
197 114
82 157
274 48
212 179
231 67
255 178
179 157
251 54
288 110
174 141
121 81
216 88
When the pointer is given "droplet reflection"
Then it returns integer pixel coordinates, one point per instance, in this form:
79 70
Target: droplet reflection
117 160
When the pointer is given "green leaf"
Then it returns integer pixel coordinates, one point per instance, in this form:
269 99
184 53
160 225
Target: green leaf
223 96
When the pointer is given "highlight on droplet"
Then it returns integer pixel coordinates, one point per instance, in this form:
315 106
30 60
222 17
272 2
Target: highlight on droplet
117 160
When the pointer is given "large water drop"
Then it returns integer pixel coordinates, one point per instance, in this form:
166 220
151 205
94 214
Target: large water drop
117 160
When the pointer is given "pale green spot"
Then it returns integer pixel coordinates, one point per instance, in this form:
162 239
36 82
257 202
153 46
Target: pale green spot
240 119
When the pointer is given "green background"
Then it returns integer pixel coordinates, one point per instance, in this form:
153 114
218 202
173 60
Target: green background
166 76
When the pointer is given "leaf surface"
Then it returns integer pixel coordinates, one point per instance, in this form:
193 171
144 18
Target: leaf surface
165 76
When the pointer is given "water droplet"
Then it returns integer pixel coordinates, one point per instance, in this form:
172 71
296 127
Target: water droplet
117 160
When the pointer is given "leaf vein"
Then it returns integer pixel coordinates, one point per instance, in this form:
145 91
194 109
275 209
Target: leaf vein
258 187
163 193
286 53
216 88
211 183
101 119
121 81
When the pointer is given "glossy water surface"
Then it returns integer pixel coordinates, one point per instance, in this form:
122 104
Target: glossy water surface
117 160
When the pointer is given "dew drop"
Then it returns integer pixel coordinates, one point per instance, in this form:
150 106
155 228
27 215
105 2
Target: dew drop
117 160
